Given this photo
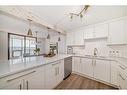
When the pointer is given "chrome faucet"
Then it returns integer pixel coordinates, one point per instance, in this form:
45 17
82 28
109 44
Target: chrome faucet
95 51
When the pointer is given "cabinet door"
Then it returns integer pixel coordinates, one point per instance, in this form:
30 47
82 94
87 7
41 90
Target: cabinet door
122 81
101 30
78 40
77 64
102 70
87 67
54 74
117 32
16 84
49 76
70 38
114 73
89 33
59 72
35 80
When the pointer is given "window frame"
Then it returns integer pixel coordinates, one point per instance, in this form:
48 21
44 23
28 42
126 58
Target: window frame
24 42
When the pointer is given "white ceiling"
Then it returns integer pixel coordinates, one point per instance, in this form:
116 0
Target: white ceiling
58 15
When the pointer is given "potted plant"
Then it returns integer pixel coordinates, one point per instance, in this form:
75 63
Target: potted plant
37 50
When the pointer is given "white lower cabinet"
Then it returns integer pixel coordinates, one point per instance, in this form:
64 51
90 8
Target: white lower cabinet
54 74
94 68
14 84
43 77
114 73
102 70
76 67
87 66
31 79
35 80
122 77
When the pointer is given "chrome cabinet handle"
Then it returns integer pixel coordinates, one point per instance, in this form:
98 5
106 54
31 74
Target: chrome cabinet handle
20 76
58 70
95 63
92 62
55 71
20 86
27 85
122 67
121 77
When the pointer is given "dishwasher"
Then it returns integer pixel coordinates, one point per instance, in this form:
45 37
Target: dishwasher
67 67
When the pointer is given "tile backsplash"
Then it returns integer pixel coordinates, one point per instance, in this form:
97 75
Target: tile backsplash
103 49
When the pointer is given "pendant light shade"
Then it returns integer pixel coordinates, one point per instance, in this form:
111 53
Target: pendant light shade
29 33
48 36
59 39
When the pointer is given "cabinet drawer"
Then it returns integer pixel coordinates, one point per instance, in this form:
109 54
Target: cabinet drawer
122 77
5 81
122 81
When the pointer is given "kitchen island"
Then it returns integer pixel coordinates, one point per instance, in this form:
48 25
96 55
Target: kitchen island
32 72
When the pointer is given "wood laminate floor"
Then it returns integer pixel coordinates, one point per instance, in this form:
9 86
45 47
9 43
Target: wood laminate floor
75 81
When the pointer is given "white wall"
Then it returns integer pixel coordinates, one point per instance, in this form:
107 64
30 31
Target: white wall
53 39
3 46
10 24
103 49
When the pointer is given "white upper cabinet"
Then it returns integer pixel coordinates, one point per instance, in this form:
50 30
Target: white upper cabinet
75 38
78 40
101 30
89 32
117 32
70 38
114 30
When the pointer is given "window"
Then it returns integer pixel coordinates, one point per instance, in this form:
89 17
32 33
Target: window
20 46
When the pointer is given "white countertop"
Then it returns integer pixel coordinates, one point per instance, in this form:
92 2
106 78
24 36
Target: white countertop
119 60
19 65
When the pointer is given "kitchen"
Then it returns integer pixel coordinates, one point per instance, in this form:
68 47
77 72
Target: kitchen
83 47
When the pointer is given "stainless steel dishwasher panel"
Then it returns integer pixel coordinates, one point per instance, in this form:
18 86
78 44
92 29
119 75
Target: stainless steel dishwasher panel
67 67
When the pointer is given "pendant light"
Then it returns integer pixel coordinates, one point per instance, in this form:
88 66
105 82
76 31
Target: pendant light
36 37
29 33
48 36
59 39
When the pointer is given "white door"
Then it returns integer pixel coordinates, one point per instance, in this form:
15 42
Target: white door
117 32
35 80
87 66
102 70
78 40
77 64
101 30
